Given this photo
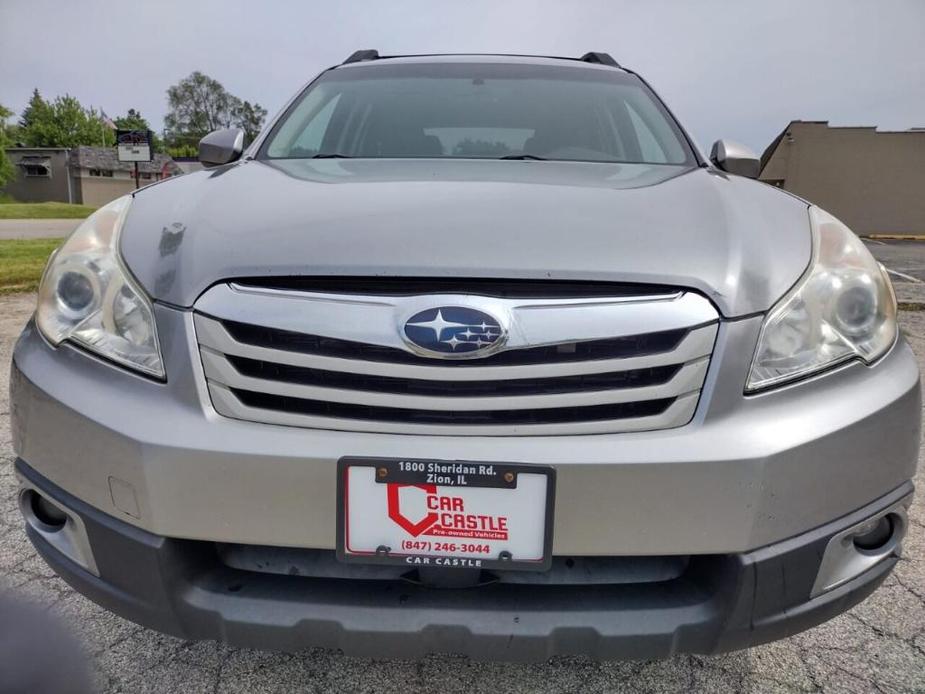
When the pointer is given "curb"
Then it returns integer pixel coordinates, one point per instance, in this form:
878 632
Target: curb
894 237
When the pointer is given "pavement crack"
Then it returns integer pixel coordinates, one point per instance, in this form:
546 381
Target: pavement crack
909 588
803 657
119 641
219 671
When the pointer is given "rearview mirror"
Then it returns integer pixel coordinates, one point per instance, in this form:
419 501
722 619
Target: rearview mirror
735 158
221 146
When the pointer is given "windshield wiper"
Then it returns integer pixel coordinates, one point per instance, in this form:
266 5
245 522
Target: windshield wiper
523 156
332 156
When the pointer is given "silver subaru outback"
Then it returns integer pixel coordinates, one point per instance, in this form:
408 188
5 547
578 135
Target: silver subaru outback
471 354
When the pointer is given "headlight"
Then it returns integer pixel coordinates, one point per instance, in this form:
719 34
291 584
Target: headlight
88 296
843 308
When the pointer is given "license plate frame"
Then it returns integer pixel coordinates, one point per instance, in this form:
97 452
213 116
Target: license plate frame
495 478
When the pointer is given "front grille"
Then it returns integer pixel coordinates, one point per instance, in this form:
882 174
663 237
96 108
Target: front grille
614 364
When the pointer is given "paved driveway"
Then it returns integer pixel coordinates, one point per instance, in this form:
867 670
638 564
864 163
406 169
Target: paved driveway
878 646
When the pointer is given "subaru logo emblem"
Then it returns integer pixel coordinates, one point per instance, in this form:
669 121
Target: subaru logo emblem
454 332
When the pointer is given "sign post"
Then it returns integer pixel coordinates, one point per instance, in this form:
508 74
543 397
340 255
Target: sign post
134 146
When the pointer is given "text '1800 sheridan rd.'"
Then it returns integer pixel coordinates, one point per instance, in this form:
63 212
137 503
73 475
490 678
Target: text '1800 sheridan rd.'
473 354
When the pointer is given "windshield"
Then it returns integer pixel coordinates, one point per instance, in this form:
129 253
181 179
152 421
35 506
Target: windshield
478 110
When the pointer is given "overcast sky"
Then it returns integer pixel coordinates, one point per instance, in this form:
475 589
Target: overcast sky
733 69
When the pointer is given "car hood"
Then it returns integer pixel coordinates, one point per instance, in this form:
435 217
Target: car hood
741 243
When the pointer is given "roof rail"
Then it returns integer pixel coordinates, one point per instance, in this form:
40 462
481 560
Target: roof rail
589 57
360 56
600 58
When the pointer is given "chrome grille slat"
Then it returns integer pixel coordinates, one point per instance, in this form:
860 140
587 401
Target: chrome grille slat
410 415
650 376
688 379
605 364
697 343
680 412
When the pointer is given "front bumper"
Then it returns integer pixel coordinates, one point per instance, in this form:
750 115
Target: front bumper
719 602
747 472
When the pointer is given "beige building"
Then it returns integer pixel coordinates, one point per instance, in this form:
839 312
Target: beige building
101 177
873 181
86 175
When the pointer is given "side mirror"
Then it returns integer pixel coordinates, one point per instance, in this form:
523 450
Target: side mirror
734 158
221 146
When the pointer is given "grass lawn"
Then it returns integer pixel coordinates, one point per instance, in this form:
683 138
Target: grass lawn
22 262
43 210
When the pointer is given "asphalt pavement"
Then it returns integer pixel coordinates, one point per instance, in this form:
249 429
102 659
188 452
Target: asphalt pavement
905 263
905 260
879 646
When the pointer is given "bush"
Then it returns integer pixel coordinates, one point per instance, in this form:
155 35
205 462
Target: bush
183 151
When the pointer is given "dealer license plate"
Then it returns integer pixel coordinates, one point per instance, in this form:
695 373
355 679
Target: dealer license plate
445 513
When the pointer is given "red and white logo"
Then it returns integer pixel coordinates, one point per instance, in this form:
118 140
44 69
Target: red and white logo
440 514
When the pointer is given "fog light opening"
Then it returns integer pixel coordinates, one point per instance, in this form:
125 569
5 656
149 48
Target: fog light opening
51 518
861 547
876 537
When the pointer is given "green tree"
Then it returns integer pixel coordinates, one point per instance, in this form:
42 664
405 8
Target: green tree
7 172
62 123
198 104
37 111
133 120
249 117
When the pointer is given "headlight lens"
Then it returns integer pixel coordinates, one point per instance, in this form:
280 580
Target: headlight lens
843 308
87 296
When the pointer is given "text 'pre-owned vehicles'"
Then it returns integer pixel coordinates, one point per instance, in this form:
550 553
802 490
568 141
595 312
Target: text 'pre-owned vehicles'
472 354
